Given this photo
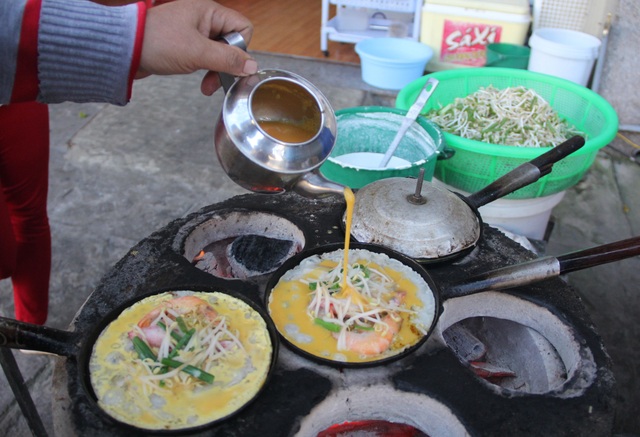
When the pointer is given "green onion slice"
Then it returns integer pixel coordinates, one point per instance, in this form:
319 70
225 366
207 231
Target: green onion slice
189 369
333 327
143 349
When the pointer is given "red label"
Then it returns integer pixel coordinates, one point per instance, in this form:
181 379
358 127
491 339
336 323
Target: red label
466 43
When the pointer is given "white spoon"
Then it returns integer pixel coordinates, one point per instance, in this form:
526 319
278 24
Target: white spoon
411 116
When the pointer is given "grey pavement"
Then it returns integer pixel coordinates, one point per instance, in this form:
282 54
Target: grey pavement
120 173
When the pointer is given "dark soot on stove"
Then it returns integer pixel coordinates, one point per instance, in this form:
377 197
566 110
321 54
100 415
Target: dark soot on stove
260 254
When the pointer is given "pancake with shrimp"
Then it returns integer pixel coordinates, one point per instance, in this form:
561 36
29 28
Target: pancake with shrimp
180 359
378 311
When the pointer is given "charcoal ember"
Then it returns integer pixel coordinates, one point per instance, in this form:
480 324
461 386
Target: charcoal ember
466 345
214 260
488 370
371 428
253 255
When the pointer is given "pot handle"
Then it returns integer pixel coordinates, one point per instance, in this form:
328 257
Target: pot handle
233 39
15 334
547 267
446 153
525 174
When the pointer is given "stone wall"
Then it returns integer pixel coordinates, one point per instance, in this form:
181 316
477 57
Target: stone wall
620 83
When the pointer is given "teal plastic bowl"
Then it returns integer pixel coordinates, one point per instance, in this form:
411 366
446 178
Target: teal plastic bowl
508 55
363 136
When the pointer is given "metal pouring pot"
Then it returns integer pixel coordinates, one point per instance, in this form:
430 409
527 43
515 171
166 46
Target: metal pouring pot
274 131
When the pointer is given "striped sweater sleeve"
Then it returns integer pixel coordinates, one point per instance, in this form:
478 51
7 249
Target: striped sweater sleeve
86 52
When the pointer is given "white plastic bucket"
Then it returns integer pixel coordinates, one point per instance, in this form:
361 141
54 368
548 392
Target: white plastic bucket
563 53
391 63
526 217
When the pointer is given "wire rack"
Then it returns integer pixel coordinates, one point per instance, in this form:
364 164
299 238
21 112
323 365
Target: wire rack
389 5
565 14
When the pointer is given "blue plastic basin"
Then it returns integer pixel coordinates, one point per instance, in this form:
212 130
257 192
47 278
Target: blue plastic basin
392 63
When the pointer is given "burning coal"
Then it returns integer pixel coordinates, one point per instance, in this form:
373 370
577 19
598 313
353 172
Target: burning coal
245 256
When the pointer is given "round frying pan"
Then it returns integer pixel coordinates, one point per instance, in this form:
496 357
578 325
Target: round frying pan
76 345
337 360
433 224
507 277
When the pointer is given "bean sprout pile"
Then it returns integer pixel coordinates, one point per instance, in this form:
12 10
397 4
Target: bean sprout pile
189 350
514 116
364 305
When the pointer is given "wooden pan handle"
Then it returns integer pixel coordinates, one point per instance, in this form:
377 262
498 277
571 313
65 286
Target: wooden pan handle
598 255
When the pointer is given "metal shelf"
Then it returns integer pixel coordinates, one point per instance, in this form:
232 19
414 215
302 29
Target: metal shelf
386 5
377 27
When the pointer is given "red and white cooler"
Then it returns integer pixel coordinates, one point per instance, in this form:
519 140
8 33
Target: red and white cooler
460 30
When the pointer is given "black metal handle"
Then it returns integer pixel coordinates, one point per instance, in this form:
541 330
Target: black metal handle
15 334
21 392
525 174
545 161
516 275
446 153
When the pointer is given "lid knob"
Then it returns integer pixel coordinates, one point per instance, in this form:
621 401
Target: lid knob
417 198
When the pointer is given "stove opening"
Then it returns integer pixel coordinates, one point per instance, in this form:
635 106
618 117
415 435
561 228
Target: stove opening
242 244
516 345
371 428
380 410
507 354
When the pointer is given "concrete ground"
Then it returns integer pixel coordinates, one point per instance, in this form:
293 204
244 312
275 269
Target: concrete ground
120 173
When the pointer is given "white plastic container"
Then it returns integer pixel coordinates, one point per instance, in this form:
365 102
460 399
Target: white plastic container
391 63
526 217
352 19
460 30
563 53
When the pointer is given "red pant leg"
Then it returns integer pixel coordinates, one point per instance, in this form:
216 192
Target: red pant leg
7 240
24 179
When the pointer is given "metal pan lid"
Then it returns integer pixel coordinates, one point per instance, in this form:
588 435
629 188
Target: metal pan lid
430 223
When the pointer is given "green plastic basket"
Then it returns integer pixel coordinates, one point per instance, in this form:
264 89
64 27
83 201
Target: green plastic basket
476 164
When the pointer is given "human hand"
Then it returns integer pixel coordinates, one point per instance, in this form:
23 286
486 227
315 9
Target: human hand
180 38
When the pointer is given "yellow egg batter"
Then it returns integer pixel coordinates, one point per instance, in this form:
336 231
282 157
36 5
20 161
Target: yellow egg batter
291 296
239 375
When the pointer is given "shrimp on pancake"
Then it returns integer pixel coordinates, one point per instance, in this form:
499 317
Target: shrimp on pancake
206 350
180 306
363 311
357 309
180 340
154 324
373 341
